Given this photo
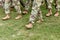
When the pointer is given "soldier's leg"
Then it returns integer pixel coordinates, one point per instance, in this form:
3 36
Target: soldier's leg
40 17
11 6
7 9
34 12
49 7
27 6
57 8
16 4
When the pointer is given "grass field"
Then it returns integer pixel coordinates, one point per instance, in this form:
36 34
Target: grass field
15 29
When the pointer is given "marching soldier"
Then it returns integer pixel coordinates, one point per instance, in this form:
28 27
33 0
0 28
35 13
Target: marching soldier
36 12
16 5
57 8
57 2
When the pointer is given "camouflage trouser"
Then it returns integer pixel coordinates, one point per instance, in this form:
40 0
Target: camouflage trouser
36 11
57 4
28 4
15 3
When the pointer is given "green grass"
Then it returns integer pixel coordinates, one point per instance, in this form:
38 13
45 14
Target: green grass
15 29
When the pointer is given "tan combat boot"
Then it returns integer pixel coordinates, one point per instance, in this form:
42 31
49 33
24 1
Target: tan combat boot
25 12
56 14
30 25
40 20
6 17
18 16
49 13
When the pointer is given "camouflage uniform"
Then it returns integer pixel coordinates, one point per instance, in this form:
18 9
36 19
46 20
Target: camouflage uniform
58 5
36 11
50 4
27 5
15 3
